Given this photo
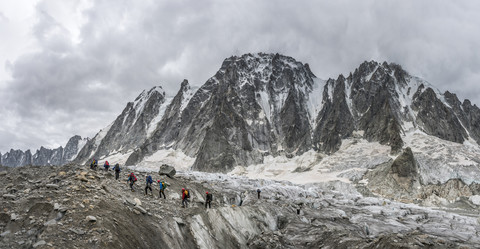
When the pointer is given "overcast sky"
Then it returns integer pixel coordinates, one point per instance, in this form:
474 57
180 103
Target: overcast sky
70 67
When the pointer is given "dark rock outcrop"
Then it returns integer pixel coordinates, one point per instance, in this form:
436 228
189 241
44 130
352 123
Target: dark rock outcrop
167 170
405 164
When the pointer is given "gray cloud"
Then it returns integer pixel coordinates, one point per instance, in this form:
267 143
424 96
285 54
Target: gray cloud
78 85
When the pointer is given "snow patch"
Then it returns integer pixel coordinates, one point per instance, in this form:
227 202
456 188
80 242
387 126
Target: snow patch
349 163
315 100
161 111
172 157
101 134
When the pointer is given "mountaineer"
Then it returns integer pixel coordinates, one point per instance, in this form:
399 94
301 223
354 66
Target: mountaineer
106 165
117 171
185 196
132 179
149 182
163 186
94 164
208 200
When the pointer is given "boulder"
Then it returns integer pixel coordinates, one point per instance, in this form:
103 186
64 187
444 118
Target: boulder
54 186
167 170
129 202
179 220
5 233
9 196
77 231
39 243
91 218
50 223
137 202
475 199
142 210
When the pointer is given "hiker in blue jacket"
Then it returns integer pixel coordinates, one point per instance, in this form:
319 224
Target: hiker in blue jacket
149 185
163 186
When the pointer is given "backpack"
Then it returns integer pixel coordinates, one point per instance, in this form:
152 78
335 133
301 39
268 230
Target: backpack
149 179
117 168
134 178
187 193
164 185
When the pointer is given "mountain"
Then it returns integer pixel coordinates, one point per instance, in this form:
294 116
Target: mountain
269 105
44 156
260 105
130 129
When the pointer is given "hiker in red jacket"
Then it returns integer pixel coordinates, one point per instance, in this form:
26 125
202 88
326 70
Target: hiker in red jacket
185 196
132 179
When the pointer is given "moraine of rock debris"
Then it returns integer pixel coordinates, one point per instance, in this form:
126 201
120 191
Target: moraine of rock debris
331 215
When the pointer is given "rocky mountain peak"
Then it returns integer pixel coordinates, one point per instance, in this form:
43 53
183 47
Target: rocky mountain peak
376 72
184 86
255 69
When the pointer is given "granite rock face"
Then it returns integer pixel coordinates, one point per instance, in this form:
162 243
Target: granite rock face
436 118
